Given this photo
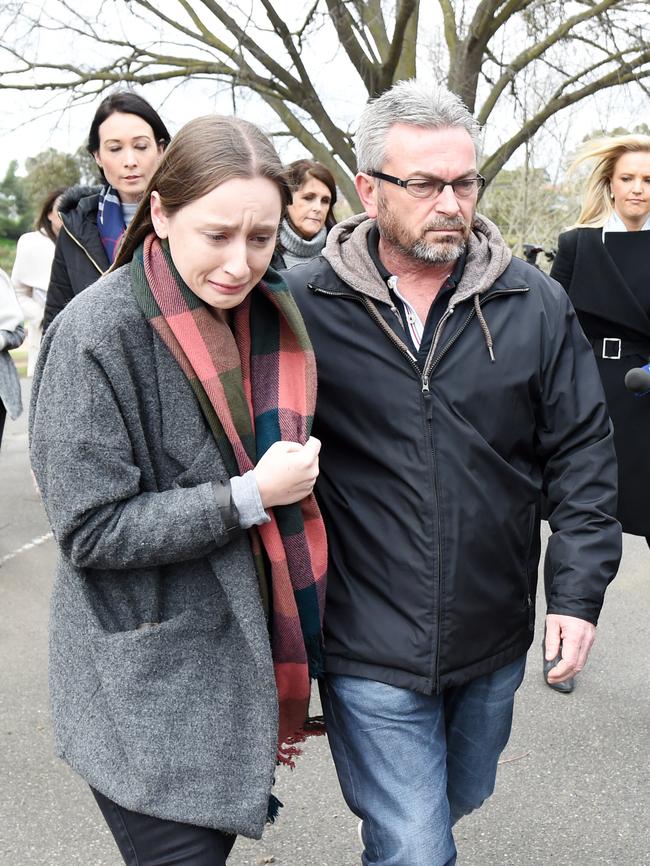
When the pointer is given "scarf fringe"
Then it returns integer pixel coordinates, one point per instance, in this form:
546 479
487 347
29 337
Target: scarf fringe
273 809
313 727
288 750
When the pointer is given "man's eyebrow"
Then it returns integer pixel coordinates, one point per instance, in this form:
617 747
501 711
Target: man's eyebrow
426 175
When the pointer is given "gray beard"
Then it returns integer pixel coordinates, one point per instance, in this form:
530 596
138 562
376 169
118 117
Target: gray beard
441 252
436 254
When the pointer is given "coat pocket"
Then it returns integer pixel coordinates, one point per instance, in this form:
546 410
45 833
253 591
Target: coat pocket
180 693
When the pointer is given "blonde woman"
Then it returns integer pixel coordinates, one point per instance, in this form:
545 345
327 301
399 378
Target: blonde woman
604 265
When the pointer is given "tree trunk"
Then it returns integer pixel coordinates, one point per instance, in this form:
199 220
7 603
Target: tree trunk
464 69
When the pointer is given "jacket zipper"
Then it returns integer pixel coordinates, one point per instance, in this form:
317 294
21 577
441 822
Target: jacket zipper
377 318
82 247
429 367
424 376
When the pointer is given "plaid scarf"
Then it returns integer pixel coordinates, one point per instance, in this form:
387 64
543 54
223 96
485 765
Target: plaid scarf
256 384
110 221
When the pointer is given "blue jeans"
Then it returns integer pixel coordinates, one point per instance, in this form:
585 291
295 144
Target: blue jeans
411 765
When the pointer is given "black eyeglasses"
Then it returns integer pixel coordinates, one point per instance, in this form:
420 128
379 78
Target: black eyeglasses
432 187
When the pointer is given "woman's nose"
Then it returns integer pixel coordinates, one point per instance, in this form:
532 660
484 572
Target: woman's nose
237 262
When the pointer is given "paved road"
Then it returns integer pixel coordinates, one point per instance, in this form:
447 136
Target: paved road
573 788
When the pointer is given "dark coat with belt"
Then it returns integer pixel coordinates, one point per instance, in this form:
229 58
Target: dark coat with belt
79 257
430 480
606 307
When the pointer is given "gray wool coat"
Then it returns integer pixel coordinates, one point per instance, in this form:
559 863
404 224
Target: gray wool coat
161 678
9 381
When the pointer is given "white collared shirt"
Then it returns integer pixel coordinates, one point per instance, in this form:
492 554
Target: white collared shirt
616 224
413 321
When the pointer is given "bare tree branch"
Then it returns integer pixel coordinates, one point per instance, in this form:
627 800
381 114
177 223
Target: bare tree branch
493 164
560 57
530 54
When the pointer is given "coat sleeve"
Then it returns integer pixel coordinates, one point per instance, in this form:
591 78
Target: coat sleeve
562 268
90 477
12 332
59 291
12 339
576 450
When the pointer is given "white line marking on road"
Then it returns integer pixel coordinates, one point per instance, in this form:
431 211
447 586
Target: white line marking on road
33 543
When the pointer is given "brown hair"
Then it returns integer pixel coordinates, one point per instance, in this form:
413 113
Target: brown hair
42 222
301 170
605 153
206 152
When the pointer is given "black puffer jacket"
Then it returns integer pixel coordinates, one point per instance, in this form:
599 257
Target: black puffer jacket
79 257
430 483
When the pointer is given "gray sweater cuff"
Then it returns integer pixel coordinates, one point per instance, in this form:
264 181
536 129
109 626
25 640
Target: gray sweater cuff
246 497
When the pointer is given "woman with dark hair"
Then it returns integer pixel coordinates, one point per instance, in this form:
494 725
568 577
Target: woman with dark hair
127 139
170 437
31 271
309 217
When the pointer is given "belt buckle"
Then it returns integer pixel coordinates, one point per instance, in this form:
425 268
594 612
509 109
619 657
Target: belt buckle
616 349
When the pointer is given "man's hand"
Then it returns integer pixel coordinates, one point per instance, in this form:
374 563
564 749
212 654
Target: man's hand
576 636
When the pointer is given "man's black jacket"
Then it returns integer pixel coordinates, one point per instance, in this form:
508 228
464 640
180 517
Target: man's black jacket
430 482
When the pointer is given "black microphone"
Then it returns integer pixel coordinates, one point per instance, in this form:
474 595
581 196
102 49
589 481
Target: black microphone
637 380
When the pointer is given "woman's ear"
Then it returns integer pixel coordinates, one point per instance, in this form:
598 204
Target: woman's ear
159 218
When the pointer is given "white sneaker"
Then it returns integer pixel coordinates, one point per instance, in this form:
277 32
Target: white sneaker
360 832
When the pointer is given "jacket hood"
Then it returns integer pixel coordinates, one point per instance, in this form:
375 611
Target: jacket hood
73 196
487 258
347 252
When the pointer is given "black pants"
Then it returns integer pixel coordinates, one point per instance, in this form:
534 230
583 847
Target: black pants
147 841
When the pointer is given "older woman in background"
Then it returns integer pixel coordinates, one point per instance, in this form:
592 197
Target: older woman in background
309 217
31 271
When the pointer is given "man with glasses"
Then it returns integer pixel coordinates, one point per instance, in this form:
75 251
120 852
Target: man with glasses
455 387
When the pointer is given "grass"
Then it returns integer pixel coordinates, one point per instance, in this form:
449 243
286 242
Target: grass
7 254
20 360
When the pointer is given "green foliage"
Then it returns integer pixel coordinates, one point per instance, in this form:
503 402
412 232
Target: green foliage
15 215
529 209
7 254
46 171
639 129
88 171
21 197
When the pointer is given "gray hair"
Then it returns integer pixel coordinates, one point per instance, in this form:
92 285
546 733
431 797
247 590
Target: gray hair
414 103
